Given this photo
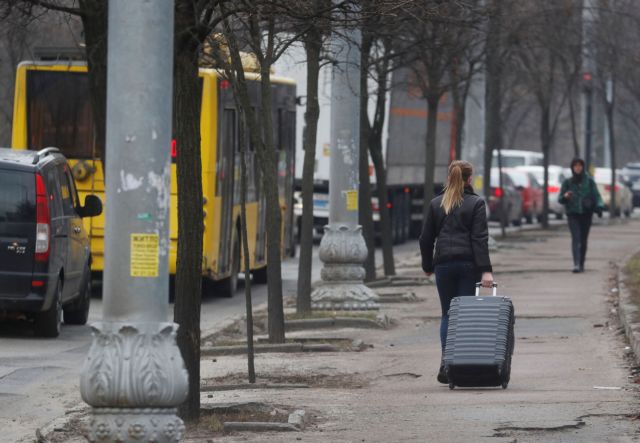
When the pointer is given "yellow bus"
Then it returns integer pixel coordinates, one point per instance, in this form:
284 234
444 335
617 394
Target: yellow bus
52 107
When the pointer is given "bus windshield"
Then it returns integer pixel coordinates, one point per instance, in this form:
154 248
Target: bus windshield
59 113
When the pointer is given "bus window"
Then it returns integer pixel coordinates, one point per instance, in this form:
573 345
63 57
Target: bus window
59 113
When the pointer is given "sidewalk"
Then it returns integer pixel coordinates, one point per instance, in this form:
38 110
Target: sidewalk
569 379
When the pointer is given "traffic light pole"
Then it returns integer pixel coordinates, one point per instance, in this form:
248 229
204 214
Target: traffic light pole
343 249
134 376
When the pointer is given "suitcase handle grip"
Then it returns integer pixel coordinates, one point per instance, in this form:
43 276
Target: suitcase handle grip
494 285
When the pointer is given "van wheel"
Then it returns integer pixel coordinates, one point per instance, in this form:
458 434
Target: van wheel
48 323
78 312
229 285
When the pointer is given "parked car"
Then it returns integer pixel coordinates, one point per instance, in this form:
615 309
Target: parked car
624 197
511 196
630 175
512 158
557 174
531 192
44 249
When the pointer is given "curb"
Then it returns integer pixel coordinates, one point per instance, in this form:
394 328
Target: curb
626 309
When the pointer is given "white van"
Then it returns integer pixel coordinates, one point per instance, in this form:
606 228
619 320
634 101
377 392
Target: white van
512 158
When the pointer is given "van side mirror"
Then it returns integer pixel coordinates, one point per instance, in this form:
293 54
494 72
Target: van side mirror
92 207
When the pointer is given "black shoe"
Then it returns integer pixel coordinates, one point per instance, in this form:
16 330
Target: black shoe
581 269
442 376
576 269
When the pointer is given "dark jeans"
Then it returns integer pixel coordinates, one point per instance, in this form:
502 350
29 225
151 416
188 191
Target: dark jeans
579 225
454 279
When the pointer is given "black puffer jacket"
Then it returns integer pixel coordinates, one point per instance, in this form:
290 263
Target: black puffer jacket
461 235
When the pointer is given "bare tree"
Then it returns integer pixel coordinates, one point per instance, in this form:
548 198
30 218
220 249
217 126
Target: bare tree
438 39
259 25
542 36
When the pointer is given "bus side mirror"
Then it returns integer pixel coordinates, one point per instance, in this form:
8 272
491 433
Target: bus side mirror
92 207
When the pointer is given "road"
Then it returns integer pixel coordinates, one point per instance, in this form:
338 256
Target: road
39 377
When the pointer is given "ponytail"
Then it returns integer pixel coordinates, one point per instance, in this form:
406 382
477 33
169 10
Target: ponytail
459 173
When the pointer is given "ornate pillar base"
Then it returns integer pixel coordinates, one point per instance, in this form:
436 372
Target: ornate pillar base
134 377
139 425
343 250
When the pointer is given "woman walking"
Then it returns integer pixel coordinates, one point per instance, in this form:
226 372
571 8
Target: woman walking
457 224
581 198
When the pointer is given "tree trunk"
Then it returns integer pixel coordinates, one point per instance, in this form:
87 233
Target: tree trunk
94 22
186 124
251 371
493 96
430 162
613 209
364 194
375 148
274 213
313 46
574 132
545 138
383 201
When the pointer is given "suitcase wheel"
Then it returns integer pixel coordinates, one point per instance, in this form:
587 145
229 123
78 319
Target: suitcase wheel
451 386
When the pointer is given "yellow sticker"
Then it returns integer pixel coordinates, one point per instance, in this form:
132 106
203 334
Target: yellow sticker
352 200
144 255
326 150
65 192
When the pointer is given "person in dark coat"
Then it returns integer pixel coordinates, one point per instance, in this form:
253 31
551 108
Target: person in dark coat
581 198
456 227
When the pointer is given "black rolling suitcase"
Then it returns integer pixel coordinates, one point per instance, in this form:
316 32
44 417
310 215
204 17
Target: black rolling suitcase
480 341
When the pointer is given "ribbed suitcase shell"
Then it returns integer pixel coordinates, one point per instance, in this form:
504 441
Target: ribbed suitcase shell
480 341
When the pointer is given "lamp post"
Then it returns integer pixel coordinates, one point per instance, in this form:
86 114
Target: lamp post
343 249
134 375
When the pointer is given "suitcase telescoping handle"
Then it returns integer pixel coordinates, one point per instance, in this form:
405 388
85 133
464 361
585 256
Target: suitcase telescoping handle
494 285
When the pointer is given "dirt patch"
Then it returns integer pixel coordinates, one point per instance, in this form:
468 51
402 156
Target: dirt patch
212 419
326 381
72 430
237 331
343 344
632 282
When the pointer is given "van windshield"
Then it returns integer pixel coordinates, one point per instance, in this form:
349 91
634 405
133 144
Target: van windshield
59 113
17 197
512 161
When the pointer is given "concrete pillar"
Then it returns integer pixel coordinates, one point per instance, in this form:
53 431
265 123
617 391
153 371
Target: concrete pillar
343 249
134 375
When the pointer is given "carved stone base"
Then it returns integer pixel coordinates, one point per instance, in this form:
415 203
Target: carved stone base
134 378
345 296
343 250
128 425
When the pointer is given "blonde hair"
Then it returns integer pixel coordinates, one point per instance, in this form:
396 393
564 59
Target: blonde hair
459 173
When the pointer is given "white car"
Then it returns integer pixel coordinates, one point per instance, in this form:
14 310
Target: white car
557 174
624 196
512 158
